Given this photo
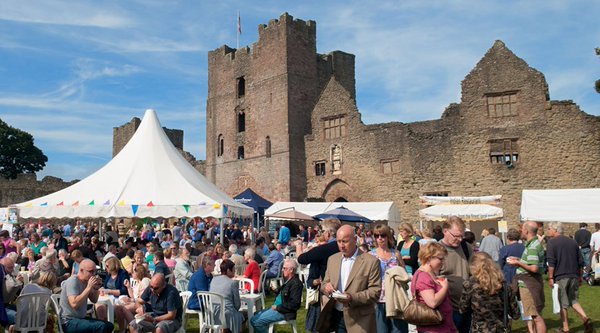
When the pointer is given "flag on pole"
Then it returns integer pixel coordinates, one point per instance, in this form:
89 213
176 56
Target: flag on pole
239 24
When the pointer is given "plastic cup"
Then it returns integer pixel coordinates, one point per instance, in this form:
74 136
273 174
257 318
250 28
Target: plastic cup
139 318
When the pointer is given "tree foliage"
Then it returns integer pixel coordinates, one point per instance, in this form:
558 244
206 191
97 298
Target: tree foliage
18 154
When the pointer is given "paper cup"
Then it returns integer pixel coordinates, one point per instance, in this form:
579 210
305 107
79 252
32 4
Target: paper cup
139 318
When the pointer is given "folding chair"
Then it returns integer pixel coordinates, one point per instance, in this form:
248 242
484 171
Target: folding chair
209 303
32 312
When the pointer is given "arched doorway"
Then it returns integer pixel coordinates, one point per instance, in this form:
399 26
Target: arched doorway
339 191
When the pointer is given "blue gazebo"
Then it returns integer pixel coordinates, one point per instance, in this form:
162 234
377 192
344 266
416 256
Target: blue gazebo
254 200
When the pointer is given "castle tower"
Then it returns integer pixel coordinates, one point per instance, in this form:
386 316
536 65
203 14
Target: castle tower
259 108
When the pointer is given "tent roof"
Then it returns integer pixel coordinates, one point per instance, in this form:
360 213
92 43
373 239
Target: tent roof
343 214
148 178
375 211
252 199
567 205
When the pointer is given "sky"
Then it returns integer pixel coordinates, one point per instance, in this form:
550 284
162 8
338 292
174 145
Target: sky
70 71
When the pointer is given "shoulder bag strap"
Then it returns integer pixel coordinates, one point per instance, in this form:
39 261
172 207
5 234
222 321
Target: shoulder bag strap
414 290
505 297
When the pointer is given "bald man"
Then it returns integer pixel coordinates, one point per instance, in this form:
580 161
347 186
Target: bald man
165 302
354 282
76 291
528 277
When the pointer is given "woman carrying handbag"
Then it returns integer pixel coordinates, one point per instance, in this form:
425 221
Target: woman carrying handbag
432 290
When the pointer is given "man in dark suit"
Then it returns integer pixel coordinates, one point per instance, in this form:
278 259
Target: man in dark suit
353 279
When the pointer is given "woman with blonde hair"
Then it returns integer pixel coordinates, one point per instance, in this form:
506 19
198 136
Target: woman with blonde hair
484 294
431 289
139 260
116 284
388 258
409 248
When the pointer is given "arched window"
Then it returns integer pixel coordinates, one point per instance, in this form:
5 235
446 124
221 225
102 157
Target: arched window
240 152
241 87
220 145
268 147
241 121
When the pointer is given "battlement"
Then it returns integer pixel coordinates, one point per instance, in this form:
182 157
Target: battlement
267 32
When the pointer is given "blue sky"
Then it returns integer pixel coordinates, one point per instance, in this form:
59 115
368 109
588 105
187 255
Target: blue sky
70 71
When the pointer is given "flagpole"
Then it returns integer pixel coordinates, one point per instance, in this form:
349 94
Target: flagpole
238 30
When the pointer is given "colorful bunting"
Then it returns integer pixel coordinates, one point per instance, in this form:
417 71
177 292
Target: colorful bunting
76 203
92 203
216 206
186 207
62 203
150 204
122 203
44 204
134 208
29 205
107 203
202 203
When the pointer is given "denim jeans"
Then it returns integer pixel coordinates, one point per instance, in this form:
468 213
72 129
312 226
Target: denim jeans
586 260
462 321
388 325
11 315
77 325
263 319
338 318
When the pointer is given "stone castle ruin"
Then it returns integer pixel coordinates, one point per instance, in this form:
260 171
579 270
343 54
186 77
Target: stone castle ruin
282 119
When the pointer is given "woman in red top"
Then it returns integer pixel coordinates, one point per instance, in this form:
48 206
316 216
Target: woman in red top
252 270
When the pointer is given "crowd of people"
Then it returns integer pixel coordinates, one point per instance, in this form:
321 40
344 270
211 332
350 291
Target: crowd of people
359 278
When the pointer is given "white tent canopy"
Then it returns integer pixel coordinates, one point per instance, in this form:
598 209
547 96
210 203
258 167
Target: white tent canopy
375 211
477 212
569 205
148 178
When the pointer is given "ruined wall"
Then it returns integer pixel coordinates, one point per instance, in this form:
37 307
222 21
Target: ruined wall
557 145
26 187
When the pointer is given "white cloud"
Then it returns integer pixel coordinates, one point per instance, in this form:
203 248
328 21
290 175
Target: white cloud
67 13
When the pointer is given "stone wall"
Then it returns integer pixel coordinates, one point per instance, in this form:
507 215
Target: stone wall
26 187
558 145
123 133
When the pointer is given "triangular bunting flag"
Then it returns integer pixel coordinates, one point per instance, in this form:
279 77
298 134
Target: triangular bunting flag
91 203
44 204
122 203
76 203
134 208
29 205
62 203
150 204
186 207
107 203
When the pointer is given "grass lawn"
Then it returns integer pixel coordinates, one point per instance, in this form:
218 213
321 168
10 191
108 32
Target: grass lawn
588 297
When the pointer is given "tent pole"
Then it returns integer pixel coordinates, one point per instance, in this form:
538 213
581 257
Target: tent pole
221 224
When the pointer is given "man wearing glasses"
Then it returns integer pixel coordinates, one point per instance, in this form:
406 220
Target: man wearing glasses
287 302
166 308
456 267
76 291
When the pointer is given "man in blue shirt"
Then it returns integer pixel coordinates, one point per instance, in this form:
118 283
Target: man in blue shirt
166 306
284 235
274 260
200 281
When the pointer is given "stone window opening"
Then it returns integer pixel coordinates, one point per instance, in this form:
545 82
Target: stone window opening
334 127
241 87
241 122
320 168
220 145
504 152
502 104
240 154
268 147
436 194
390 166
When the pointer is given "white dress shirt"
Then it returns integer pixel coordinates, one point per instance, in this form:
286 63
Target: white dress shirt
346 268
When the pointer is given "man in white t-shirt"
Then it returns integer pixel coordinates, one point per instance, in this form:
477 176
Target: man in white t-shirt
595 245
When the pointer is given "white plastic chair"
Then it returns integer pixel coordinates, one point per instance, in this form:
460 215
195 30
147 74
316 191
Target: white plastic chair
187 311
185 298
261 287
55 298
242 284
170 279
284 322
209 302
32 312
182 285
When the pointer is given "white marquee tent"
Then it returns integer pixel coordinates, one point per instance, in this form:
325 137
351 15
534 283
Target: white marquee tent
568 205
375 211
467 208
148 178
